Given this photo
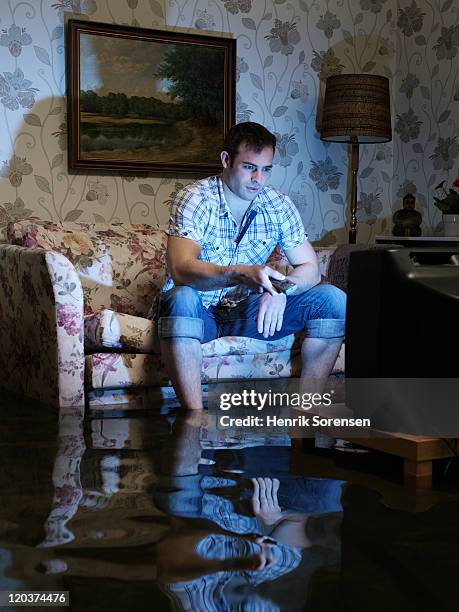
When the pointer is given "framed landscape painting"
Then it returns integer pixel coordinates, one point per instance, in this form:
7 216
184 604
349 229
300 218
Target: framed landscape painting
148 100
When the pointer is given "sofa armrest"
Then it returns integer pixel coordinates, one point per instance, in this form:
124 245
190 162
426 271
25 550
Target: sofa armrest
41 326
338 267
278 260
324 255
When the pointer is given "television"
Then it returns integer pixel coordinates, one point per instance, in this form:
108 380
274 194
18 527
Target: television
402 338
402 315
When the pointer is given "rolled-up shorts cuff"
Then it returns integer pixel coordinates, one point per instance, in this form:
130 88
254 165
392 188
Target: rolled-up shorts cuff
325 328
181 327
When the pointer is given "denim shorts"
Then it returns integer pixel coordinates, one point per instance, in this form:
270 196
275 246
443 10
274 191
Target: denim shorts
319 312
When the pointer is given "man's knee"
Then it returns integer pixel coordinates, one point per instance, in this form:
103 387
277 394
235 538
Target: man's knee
326 308
324 302
180 302
334 302
180 314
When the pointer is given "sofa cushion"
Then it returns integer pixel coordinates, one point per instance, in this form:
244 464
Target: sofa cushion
323 256
130 370
124 370
121 266
338 268
107 329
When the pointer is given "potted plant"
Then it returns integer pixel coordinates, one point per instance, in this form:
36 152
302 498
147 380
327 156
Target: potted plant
447 201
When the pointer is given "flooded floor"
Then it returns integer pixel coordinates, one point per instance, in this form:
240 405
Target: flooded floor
146 512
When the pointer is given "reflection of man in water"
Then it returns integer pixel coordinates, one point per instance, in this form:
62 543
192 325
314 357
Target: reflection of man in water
216 555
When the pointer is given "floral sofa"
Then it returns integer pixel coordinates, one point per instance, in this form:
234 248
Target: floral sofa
74 303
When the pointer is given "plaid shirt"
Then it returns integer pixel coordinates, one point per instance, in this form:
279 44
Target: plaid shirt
201 213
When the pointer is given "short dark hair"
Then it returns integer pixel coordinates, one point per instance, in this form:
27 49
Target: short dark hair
253 135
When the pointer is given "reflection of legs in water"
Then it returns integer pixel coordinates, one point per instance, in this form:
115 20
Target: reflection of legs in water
182 450
295 494
196 548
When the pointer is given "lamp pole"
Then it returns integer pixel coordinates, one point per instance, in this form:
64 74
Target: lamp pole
353 208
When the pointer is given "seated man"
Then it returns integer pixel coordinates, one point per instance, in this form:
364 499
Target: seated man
222 230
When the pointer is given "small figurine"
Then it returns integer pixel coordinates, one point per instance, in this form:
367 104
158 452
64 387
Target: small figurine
407 221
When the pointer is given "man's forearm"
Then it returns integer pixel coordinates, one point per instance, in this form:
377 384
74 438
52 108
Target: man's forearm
305 276
205 276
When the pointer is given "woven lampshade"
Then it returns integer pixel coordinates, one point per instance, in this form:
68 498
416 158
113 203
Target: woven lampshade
356 109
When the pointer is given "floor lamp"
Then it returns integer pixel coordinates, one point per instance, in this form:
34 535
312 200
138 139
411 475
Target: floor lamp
356 111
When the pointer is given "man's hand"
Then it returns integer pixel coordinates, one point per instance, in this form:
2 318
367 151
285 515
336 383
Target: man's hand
264 500
271 313
257 278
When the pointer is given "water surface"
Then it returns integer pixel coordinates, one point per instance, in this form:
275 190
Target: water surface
144 512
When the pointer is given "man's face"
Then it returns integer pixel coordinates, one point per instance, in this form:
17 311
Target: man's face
249 171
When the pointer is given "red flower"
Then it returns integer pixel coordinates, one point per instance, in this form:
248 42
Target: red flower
456 183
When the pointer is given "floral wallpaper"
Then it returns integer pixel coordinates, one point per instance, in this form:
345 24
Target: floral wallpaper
427 103
286 50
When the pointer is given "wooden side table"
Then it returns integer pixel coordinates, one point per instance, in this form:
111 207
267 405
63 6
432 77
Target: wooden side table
418 453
